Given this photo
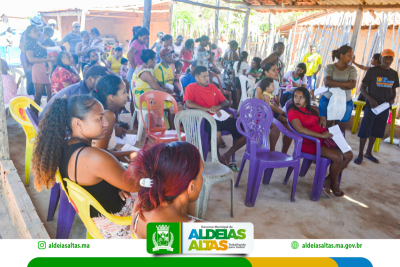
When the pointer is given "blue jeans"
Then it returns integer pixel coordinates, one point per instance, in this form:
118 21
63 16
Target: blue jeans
323 109
30 87
311 82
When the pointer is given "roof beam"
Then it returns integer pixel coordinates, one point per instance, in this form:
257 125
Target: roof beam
235 2
210 6
61 13
322 7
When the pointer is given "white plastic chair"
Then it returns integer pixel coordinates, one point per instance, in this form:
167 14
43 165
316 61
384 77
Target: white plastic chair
136 113
243 82
214 172
17 74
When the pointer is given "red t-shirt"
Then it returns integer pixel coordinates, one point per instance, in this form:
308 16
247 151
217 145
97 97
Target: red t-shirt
204 96
59 76
310 122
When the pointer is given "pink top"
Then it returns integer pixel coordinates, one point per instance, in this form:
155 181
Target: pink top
9 88
187 55
139 47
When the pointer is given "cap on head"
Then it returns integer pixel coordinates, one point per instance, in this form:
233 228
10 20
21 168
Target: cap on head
166 50
52 21
387 53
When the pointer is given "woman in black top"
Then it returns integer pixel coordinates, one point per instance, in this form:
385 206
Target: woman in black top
36 58
64 142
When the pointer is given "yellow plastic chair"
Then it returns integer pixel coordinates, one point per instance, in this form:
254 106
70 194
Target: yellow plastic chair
359 106
17 107
378 141
82 200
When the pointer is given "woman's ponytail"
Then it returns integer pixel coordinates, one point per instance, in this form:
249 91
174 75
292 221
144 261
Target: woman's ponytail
49 144
243 55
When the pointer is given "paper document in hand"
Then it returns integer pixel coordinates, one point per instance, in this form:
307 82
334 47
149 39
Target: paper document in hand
224 116
382 107
320 90
169 86
338 138
128 139
128 147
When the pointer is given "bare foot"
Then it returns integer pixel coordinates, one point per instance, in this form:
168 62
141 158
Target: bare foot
224 159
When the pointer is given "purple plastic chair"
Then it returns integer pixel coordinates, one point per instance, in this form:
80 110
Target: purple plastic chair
256 118
205 138
321 167
66 212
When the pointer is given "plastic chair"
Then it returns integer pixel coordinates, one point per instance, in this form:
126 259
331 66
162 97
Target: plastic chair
244 83
321 167
378 141
3 52
214 172
256 120
32 118
138 113
180 82
359 106
205 137
157 131
14 71
17 107
81 200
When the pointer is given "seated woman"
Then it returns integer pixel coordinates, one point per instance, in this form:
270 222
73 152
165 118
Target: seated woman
64 142
144 81
170 193
113 62
111 93
305 120
264 91
94 60
294 79
64 74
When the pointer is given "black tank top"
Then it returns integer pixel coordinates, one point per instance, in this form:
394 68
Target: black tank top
106 194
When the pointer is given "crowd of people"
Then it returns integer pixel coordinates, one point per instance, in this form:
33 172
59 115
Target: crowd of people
86 92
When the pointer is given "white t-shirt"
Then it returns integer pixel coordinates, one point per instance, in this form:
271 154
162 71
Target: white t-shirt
243 66
289 76
177 49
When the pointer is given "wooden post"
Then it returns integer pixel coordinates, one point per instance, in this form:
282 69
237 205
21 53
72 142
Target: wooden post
171 12
356 29
216 33
83 19
59 24
246 29
4 149
146 16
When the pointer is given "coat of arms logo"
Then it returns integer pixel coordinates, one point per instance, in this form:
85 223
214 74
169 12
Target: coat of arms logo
163 238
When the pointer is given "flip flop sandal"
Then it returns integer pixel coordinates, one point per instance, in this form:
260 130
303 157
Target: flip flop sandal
358 161
233 167
373 159
326 192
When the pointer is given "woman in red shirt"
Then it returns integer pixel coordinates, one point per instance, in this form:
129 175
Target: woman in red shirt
306 120
64 74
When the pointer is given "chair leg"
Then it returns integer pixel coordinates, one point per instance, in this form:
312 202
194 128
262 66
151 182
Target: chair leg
295 178
288 173
304 167
232 192
257 185
240 172
267 175
377 144
54 198
202 201
28 158
66 215
251 181
319 178
88 235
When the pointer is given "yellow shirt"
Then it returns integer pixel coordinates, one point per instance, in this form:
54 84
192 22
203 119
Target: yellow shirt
271 96
312 62
163 74
115 64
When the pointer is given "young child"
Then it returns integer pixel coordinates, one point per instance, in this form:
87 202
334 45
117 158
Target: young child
264 91
94 60
48 32
63 48
96 40
177 75
255 70
124 68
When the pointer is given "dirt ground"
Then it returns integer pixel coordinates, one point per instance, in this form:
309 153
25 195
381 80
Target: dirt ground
370 209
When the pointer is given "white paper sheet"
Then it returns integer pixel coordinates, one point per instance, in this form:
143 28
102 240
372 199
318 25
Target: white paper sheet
56 49
128 147
169 86
320 90
381 108
128 139
338 138
224 116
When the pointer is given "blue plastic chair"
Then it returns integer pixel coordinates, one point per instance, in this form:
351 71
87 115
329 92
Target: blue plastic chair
256 118
3 52
322 164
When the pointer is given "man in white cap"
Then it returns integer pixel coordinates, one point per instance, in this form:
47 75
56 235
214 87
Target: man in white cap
38 22
57 35
73 38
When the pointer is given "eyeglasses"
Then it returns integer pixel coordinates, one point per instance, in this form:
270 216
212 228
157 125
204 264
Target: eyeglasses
77 26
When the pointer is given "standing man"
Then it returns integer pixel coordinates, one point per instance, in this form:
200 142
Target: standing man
57 35
30 87
73 38
222 43
381 82
313 62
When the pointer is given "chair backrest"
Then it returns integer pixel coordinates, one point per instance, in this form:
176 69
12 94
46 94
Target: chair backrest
155 108
192 123
81 200
33 119
244 84
17 107
3 52
180 82
256 119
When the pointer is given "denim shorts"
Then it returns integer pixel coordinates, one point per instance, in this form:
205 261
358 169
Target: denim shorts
323 108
